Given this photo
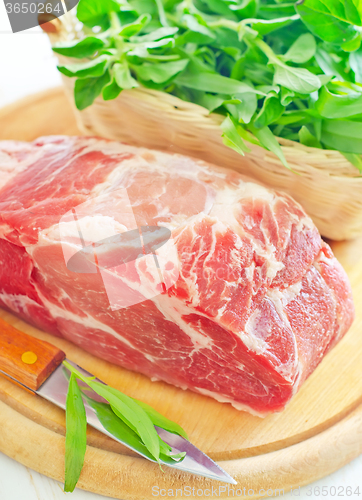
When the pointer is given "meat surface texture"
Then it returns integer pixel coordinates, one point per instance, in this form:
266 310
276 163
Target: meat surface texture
259 299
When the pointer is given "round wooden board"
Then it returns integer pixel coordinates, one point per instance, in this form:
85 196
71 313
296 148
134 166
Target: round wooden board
319 431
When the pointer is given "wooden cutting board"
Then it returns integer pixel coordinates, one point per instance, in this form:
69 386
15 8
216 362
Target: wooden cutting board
319 431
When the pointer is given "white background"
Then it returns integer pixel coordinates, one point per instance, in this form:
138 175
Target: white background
27 66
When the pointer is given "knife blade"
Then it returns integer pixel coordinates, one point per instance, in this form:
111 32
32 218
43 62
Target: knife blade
37 366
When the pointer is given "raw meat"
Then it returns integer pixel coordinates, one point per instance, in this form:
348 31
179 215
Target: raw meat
259 299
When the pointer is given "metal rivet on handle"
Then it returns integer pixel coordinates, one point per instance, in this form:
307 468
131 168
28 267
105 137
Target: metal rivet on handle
29 358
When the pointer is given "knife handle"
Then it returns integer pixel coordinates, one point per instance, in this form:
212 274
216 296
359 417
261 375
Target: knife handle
27 360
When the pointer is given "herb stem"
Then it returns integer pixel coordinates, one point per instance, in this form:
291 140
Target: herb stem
300 104
278 129
271 21
225 23
115 23
264 47
161 13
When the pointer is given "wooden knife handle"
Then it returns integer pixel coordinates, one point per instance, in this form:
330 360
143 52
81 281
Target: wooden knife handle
28 360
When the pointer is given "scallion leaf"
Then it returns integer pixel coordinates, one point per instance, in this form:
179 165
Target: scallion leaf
139 418
76 435
160 420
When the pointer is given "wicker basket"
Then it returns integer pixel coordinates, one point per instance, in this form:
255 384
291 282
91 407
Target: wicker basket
328 187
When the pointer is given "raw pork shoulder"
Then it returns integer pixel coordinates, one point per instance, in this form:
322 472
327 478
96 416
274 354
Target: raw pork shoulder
259 299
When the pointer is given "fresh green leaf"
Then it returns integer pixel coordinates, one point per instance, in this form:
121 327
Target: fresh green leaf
325 79
325 20
349 11
272 10
212 82
259 74
80 49
355 60
127 419
161 72
353 44
343 135
317 126
353 11
296 79
232 138
308 139
245 109
76 435
265 26
215 7
302 50
161 13
355 159
192 37
116 426
209 101
160 420
131 412
164 447
194 25
248 136
145 7
272 109
132 29
111 91
127 409
331 105
294 117
245 8
239 53
268 141
156 35
95 67
143 50
123 77
225 37
329 64
287 96
95 12
86 90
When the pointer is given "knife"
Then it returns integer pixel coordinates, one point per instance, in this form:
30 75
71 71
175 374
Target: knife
37 366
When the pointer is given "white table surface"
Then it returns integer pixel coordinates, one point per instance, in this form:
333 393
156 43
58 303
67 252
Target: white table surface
27 66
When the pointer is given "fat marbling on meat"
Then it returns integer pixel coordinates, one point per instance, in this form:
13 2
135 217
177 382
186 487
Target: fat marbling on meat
258 298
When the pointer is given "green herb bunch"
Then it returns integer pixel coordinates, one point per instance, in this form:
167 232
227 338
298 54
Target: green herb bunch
125 418
272 67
